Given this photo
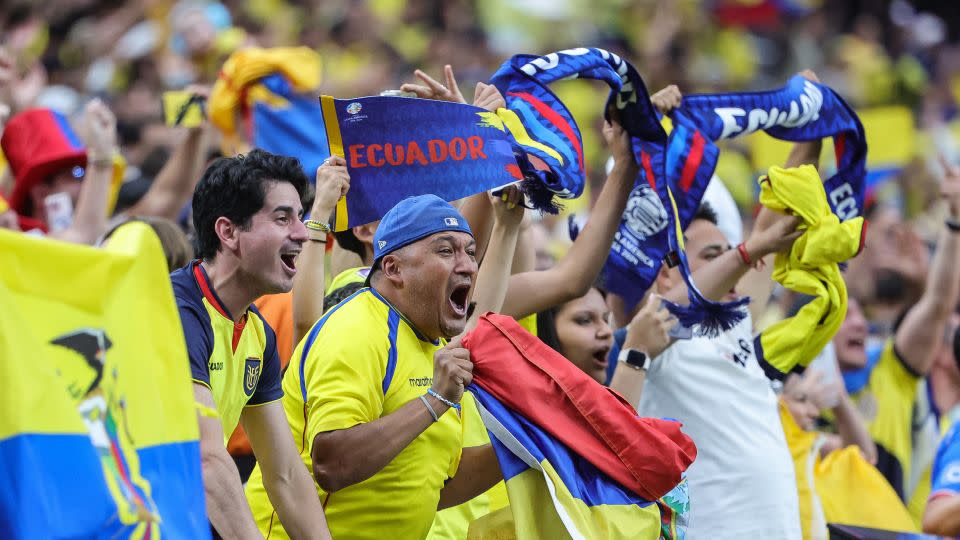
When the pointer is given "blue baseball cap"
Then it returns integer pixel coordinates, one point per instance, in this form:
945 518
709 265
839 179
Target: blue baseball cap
415 218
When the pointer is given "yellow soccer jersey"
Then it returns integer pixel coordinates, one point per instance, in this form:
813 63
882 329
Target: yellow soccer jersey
237 361
360 362
887 403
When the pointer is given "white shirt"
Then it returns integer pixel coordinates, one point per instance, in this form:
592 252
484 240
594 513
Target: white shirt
742 483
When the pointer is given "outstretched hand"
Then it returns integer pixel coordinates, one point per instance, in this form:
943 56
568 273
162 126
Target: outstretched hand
433 89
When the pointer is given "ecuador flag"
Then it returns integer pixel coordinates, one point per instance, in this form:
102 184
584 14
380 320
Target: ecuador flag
98 434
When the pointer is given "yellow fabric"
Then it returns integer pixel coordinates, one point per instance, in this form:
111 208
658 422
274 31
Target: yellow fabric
886 403
299 65
453 523
120 296
343 376
841 488
4 206
529 323
351 275
802 445
853 492
810 268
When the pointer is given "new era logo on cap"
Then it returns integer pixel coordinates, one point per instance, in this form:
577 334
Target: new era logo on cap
451 222
381 243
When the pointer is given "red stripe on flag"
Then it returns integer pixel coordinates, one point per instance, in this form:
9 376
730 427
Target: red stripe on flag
693 162
555 118
648 169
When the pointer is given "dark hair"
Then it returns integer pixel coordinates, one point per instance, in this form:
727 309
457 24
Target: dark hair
339 295
350 242
706 212
547 321
956 346
235 188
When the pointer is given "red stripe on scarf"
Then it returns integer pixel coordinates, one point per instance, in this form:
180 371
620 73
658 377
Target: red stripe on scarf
648 169
839 144
555 118
693 162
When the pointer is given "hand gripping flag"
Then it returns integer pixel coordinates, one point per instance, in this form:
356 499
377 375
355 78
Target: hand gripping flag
273 94
800 111
810 268
99 434
576 459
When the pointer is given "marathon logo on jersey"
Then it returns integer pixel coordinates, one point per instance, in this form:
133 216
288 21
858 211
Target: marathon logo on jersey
251 375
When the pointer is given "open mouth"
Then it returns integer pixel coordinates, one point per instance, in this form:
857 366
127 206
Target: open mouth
458 299
289 260
600 357
855 343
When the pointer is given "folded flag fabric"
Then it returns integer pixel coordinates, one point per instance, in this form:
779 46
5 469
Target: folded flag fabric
548 140
645 455
102 441
679 170
576 459
398 147
810 268
274 94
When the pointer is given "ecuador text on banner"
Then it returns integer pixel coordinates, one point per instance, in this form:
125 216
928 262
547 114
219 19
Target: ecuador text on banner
399 147
100 438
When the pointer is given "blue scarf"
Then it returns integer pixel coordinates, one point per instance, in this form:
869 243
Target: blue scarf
800 111
551 160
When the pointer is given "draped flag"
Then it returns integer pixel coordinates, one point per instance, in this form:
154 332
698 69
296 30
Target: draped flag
397 147
99 435
576 459
800 111
273 94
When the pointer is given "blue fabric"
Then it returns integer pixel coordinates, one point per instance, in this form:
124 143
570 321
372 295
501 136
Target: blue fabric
684 163
856 380
292 129
524 82
393 323
581 478
414 218
619 336
945 476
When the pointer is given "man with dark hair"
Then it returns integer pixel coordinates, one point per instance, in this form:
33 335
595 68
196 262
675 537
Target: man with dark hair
247 212
369 391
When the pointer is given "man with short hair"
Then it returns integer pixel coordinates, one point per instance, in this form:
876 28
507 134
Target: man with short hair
246 211
369 391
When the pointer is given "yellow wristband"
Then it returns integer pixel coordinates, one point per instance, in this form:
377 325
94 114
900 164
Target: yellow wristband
315 225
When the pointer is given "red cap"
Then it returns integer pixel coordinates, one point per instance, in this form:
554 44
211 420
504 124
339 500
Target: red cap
37 144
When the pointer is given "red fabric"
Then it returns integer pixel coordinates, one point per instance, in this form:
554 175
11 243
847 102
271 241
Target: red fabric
645 455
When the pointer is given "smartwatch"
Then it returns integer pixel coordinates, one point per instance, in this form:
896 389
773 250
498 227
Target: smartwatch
638 360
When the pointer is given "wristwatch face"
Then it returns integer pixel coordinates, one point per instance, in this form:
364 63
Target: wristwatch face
637 359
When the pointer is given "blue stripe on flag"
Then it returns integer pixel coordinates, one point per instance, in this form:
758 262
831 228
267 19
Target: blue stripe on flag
583 480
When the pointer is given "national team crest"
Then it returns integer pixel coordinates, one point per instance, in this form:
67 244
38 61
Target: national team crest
251 375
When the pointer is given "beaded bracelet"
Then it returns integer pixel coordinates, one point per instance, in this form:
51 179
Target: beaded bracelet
315 225
444 400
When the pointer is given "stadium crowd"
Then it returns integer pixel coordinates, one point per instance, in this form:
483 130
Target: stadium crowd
329 440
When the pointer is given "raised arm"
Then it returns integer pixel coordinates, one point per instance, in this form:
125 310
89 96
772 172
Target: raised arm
494 274
919 335
572 276
174 184
286 479
99 131
649 333
333 182
227 507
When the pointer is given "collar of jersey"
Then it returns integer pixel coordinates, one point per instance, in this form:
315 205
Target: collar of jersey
420 336
206 289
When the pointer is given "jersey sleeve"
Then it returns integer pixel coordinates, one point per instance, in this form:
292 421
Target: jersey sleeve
945 478
342 376
199 338
268 387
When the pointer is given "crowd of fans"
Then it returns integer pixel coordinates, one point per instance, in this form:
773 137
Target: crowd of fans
881 399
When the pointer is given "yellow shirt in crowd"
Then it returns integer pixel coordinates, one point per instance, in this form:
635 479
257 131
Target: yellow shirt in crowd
360 362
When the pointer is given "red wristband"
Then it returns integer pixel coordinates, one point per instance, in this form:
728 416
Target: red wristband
744 256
